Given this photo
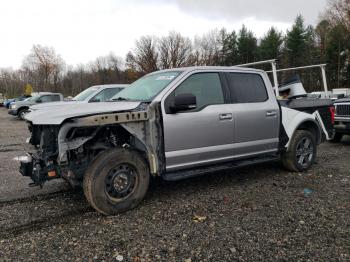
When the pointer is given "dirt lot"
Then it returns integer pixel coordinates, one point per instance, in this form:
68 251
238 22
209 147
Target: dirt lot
260 213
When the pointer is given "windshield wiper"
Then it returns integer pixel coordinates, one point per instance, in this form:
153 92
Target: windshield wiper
120 99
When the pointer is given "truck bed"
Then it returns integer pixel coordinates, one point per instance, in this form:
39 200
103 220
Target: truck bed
310 105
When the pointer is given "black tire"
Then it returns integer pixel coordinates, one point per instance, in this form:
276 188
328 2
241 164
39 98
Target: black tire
21 113
337 138
300 157
117 180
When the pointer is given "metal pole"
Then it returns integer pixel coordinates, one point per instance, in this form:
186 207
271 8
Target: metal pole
275 79
258 63
324 79
297 68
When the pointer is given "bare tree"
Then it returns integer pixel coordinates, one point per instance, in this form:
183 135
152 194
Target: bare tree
10 82
174 51
107 68
44 66
321 31
207 49
144 57
338 12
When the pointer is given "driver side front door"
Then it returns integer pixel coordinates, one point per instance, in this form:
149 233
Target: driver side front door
203 135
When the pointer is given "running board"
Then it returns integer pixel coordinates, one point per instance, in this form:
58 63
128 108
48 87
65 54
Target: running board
193 172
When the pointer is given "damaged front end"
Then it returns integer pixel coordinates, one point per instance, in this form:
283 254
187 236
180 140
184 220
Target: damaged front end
66 150
40 165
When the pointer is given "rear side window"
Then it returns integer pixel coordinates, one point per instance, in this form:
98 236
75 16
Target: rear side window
50 98
55 98
247 88
205 86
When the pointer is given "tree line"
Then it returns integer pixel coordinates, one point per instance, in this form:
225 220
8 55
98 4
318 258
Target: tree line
327 42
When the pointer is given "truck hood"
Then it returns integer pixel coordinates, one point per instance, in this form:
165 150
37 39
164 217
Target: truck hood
57 114
23 103
52 104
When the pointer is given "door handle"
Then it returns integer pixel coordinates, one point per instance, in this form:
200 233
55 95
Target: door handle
227 116
271 113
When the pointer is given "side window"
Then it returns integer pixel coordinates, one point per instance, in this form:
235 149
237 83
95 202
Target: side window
106 94
205 86
45 99
55 98
110 92
247 88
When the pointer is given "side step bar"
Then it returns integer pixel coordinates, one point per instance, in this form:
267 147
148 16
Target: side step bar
188 173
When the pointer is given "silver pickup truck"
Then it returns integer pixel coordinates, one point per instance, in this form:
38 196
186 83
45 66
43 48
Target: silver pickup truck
93 94
20 108
175 124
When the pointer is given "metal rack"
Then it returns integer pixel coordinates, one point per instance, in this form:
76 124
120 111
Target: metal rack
274 71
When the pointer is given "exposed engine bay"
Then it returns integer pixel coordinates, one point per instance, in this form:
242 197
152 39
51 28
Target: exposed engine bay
65 151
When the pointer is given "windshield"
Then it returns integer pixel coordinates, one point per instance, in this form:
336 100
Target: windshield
33 98
147 87
85 94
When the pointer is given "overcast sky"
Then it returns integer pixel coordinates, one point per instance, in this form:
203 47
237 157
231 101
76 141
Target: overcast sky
81 30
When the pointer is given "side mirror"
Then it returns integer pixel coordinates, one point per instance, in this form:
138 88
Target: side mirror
184 102
38 101
94 100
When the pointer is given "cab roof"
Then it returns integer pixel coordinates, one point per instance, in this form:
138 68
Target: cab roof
211 68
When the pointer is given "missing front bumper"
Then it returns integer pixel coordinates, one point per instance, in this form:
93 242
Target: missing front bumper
36 170
26 165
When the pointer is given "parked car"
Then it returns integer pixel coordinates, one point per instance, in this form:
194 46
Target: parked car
175 124
321 94
20 108
8 102
98 93
341 92
342 119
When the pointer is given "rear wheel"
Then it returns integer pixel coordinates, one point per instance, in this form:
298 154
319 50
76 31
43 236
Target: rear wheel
116 181
301 153
337 138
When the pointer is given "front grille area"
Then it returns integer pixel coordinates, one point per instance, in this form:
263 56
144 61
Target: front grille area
343 110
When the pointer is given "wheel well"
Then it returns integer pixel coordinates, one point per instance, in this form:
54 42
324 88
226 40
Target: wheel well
22 108
313 128
114 135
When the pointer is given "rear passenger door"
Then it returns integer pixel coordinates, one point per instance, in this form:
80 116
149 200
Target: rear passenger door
56 98
256 114
203 135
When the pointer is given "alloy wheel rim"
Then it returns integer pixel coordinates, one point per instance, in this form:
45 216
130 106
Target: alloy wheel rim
304 151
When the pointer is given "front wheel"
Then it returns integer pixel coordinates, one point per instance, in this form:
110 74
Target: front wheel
116 181
301 153
22 113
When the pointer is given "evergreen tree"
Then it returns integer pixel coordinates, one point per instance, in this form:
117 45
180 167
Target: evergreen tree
296 43
270 45
229 48
246 46
337 52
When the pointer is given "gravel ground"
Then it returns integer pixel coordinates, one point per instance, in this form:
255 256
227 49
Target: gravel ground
259 213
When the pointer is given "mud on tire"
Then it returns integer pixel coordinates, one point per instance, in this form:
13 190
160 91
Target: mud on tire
117 180
302 151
